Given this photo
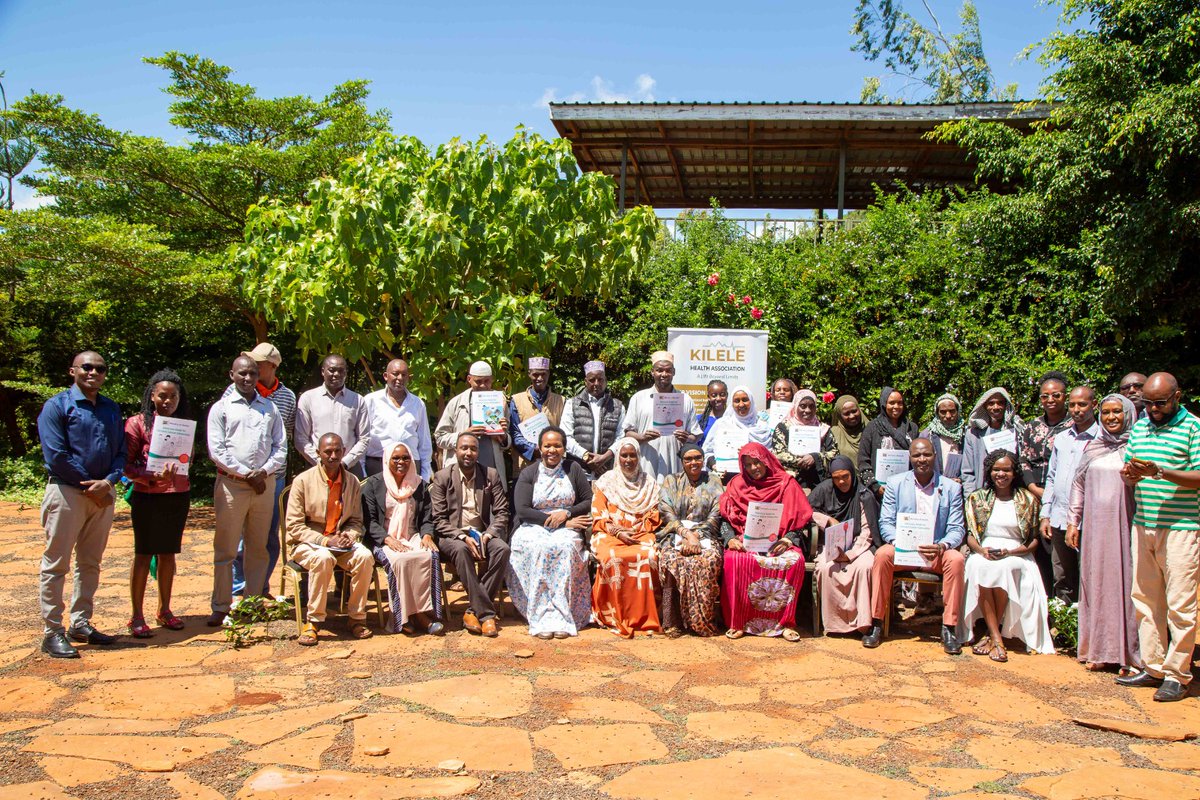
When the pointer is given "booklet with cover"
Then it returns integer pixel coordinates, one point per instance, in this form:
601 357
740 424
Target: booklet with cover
487 409
171 443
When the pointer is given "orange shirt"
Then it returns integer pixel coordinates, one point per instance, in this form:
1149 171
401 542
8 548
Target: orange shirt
333 506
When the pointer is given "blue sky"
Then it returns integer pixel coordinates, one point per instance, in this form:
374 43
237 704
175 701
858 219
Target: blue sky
470 68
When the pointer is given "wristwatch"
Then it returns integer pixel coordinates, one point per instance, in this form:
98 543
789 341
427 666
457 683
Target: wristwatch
1158 473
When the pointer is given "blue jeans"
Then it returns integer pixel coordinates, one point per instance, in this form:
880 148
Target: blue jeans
239 578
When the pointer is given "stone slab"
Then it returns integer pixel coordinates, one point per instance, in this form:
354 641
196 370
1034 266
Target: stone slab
997 701
272 783
420 741
195 696
70 772
727 694
572 683
852 748
814 693
758 775
263 728
1025 755
737 726
13 725
484 696
653 680
1170 756
808 667
585 746
1140 730
38 790
132 750
302 750
949 779
25 695
104 727
890 718
1107 780
604 709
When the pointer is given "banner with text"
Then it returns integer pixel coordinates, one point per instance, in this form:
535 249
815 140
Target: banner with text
705 354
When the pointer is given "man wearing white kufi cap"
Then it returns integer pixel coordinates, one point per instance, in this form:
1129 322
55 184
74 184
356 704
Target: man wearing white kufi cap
660 451
456 419
593 421
537 399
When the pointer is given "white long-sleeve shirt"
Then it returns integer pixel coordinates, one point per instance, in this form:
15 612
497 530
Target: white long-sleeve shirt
246 435
407 423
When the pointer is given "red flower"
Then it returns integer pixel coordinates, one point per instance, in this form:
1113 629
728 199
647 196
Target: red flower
756 312
732 299
828 397
713 279
746 300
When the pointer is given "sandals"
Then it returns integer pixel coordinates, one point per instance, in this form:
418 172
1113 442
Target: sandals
359 630
138 628
983 646
999 654
673 633
1094 666
733 633
308 635
791 635
170 621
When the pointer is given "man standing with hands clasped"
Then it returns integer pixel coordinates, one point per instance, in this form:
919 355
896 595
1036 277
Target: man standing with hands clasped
247 443
83 445
1163 457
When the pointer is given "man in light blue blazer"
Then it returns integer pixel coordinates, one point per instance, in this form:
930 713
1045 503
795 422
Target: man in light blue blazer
921 490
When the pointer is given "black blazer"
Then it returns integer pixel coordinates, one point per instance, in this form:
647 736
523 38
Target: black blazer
374 502
523 493
490 499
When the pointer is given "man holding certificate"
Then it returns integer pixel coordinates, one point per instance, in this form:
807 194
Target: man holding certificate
478 411
921 524
661 419
533 410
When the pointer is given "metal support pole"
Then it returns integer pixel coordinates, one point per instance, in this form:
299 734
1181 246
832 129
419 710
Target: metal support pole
624 158
842 180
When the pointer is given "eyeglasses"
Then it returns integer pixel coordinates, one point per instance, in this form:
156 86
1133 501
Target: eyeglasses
1051 396
1159 403
1128 386
101 368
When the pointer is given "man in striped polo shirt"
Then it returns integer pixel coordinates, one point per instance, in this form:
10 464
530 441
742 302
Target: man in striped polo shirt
1163 457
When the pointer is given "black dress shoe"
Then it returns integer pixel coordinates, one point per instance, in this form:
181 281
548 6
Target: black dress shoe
1139 679
874 636
950 641
55 645
86 633
1170 691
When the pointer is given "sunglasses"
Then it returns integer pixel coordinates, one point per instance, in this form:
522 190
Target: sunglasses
1159 403
101 368
1051 396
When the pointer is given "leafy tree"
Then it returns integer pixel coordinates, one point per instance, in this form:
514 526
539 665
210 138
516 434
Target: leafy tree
442 257
1114 168
16 151
945 68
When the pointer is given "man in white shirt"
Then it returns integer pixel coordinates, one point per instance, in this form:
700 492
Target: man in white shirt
660 454
332 408
593 421
247 443
1056 498
397 415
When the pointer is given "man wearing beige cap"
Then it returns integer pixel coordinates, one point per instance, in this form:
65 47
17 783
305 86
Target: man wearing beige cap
268 359
537 399
456 419
661 442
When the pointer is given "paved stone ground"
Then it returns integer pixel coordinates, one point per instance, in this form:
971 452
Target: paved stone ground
184 715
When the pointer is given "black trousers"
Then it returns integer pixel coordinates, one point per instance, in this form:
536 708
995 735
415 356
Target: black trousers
1065 562
481 589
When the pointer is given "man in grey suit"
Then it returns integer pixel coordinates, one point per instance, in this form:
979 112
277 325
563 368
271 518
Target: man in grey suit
470 516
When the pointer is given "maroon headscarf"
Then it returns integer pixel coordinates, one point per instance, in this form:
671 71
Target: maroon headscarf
775 487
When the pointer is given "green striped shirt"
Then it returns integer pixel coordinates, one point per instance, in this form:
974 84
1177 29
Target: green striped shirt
1172 445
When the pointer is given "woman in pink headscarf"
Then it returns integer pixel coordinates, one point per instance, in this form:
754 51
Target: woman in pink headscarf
803 444
758 595
399 521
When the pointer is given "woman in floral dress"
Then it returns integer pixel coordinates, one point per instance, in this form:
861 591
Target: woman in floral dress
690 547
760 589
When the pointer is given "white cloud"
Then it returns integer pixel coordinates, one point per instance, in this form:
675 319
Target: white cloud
28 201
604 91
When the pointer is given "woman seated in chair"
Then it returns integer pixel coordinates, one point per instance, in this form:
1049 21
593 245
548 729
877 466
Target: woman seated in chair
1004 586
843 576
399 532
547 568
690 547
760 588
624 519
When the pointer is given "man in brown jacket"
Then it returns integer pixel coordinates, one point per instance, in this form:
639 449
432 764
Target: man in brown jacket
325 527
470 515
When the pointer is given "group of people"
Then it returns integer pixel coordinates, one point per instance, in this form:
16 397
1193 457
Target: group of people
619 518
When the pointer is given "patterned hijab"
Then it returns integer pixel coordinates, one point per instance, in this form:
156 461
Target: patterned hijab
633 492
813 421
776 486
398 509
954 433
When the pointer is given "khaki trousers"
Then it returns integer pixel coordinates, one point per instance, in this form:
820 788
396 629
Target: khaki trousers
76 525
319 562
1166 569
242 516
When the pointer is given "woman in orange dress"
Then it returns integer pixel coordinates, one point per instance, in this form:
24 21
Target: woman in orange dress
624 519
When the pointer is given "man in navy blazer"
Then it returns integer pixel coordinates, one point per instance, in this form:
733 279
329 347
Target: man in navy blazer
921 490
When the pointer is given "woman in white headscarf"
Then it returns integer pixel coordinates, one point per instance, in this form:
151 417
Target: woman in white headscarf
740 424
399 522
